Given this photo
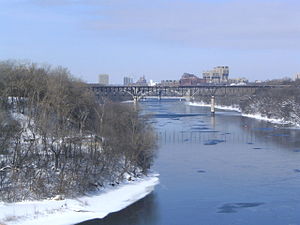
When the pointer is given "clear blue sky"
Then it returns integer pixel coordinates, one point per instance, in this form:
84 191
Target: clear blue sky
161 39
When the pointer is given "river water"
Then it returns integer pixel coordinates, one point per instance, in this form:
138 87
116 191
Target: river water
218 170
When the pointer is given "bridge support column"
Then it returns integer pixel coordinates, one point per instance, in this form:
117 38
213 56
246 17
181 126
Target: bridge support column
135 99
159 96
188 97
212 107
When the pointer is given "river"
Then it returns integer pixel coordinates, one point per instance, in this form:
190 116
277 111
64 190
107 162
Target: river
218 170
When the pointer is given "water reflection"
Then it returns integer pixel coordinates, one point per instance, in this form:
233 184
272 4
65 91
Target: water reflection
271 133
197 128
213 121
203 135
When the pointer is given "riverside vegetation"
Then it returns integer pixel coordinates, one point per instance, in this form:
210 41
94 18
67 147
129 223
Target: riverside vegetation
57 138
278 103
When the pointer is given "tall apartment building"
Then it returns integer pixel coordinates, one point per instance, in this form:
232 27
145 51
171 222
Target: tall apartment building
127 81
103 79
218 74
297 76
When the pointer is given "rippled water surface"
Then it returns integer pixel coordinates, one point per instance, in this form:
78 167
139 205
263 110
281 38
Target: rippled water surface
221 170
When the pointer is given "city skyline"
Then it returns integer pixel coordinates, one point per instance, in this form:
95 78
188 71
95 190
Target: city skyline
257 39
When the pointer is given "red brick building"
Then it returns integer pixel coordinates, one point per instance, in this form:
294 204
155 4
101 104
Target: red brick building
188 79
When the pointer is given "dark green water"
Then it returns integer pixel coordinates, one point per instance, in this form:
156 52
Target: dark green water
221 170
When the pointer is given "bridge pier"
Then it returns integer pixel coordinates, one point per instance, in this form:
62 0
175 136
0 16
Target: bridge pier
188 96
135 99
212 106
159 95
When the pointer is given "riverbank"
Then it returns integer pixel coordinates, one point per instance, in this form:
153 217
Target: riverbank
71 211
237 109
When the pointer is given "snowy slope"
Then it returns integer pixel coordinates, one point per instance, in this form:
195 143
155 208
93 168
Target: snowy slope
70 211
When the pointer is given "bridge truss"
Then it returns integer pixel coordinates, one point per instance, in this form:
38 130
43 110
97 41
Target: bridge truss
188 92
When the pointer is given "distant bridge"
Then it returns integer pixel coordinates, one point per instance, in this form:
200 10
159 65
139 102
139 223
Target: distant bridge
187 92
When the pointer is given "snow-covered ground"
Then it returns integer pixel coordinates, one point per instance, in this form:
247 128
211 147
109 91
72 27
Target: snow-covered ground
70 211
237 109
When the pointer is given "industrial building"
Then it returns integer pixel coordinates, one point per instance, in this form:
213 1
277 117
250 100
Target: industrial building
188 79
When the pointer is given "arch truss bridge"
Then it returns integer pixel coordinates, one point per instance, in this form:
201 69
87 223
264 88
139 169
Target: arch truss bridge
187 92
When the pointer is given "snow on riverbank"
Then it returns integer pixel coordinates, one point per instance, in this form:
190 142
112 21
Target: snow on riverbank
271 120
237 109
128 101
70 211
231 108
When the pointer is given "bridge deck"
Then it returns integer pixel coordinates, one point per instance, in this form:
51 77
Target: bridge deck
138 92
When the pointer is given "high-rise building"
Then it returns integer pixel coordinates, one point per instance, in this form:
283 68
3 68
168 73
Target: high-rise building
127 81
218 74
103 79
297 76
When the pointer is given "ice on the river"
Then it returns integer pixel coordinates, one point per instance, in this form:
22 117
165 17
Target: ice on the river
70 211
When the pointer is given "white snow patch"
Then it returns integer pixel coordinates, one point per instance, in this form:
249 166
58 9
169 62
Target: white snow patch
223 107
127 101
271 120
70 211
27 126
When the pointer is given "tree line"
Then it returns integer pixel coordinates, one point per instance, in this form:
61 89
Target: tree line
56 137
